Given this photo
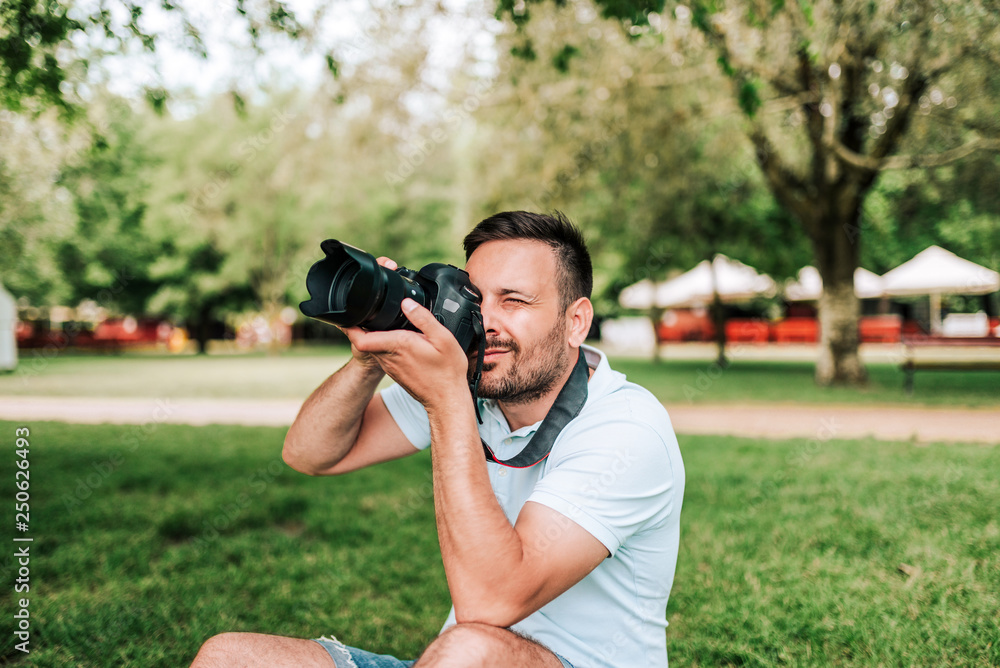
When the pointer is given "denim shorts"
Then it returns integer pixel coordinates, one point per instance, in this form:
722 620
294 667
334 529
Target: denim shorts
352 657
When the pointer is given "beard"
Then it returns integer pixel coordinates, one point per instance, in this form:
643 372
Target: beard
533 372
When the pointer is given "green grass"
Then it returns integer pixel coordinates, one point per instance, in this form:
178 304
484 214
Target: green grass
296 373
147 541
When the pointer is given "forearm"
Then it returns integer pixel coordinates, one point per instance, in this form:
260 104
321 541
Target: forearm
480 549
329 421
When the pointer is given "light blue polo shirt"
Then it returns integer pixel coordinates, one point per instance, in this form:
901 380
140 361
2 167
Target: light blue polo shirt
616 471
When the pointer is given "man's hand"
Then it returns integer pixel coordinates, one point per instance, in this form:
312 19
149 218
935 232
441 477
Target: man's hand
429 364
367 360
343 425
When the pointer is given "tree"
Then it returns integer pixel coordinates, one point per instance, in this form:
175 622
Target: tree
48 48
223 213
651 177
252 192
51 56
107 256
834 94
35 212
957 206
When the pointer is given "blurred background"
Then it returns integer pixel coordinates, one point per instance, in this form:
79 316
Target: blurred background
168 169
793 209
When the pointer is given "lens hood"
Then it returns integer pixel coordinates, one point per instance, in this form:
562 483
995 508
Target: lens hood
347 287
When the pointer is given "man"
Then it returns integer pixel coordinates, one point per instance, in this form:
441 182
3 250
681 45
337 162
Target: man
567 561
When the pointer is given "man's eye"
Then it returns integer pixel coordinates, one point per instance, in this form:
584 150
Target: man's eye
516 301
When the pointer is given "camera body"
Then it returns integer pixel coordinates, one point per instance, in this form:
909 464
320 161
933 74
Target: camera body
348 288
451 297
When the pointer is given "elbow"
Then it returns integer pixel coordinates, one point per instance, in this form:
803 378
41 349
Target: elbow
291 458
296 454
496 612
497 618
500 602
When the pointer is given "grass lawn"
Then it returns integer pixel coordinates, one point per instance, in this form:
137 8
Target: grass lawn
848 553
296 373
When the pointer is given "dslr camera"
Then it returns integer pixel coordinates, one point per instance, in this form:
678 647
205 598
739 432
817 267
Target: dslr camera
348 288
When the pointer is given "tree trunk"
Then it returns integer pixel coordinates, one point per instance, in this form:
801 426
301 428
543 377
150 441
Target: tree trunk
719 322
202 339
836 249
655 316
717 314
839 362
201 329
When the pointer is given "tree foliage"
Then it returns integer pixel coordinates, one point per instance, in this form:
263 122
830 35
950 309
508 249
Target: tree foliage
756 130
658 175
110 250
49 50
35 211
832 95
223 212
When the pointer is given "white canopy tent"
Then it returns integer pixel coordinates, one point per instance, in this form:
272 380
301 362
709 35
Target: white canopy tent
731 279
734 281
639 295
809 285
935 272
8 339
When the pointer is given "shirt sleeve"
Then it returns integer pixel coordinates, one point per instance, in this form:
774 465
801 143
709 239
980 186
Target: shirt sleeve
613 479
409 415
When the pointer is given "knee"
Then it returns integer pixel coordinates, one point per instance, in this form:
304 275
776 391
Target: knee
217 651
470 643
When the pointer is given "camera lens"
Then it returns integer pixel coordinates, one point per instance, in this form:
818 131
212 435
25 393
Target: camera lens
348 288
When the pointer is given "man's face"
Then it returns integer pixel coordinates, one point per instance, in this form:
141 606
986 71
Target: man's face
526 346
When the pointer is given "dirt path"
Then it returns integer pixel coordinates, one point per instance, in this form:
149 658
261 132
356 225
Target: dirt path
823 422
827 421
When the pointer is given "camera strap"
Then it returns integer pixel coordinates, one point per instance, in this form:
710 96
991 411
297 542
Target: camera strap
480 330
567 406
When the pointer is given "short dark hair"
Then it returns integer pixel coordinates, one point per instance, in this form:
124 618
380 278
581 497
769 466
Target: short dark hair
576 273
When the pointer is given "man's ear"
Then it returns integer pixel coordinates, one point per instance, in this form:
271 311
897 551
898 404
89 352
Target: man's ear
579 315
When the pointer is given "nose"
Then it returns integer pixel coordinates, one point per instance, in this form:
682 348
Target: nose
490 323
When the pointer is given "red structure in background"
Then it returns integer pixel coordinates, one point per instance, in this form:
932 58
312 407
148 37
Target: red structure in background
748 330
112 334
685 325
800 327
881 328
796 330
129 330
